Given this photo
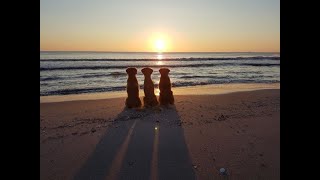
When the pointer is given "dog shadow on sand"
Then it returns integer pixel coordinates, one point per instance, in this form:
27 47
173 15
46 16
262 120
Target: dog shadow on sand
143 143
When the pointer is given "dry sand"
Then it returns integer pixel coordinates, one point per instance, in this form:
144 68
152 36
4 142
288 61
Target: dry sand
99 139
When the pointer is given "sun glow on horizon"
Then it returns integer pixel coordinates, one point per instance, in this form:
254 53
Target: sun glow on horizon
159 40
160 45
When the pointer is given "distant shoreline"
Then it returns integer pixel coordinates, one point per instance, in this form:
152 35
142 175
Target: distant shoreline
188 90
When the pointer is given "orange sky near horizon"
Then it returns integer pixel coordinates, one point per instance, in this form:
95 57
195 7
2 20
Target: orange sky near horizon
175 43
192 26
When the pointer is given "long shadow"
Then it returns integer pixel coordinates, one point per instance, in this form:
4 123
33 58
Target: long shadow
148 144
173 159
137 162
97 165
157 149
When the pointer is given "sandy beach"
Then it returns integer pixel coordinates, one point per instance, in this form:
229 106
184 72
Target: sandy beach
210 127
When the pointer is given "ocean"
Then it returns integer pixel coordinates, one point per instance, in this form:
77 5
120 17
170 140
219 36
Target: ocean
63 73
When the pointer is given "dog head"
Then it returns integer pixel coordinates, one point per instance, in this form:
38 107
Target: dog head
131 71
164 71
147 71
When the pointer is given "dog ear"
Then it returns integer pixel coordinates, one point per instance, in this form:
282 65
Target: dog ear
164 71
143 70
131 71
161 70
135 70
147 70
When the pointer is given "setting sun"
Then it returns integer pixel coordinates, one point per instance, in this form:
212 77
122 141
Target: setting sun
159 40
160 45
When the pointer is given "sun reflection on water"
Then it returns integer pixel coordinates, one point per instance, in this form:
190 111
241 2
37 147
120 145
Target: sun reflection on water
159 56
157 93
159 63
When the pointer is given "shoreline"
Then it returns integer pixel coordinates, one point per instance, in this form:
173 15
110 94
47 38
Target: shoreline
189 90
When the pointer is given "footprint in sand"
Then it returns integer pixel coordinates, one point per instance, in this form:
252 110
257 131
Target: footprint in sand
221 118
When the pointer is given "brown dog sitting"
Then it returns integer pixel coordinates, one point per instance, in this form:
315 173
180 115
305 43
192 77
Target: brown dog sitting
150 98
166 95
133 99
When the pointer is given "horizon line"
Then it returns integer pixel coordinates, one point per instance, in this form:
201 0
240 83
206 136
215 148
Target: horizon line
162 52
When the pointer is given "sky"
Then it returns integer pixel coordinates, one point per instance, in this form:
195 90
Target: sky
166 25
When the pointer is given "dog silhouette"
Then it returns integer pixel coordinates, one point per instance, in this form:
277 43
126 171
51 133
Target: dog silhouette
133 99
150 98
166 95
